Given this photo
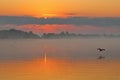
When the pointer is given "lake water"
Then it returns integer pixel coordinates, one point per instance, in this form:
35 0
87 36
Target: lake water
60 59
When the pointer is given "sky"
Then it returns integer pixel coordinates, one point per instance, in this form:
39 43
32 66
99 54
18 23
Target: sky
66 9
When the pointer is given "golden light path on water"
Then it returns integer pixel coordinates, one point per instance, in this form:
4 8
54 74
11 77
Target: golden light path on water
45 58
55 69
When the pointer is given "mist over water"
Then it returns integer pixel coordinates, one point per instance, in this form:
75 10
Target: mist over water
66 59
59 48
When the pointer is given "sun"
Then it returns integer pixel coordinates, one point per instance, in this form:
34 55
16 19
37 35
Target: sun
45 17
49 15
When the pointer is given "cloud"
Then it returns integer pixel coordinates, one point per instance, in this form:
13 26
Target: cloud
71 14
77 21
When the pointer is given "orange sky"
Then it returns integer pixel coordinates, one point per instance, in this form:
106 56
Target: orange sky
60 8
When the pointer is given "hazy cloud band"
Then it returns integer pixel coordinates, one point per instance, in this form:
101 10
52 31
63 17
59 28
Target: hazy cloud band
99 21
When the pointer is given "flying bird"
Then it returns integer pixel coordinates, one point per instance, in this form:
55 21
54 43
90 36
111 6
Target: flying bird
102 56
101 49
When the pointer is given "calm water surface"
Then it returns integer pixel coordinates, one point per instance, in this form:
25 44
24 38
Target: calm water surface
65 59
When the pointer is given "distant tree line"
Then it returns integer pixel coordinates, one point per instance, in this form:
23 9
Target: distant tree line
13 33
74 35
18 34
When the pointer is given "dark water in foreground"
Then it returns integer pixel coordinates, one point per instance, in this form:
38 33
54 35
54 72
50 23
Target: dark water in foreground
65 59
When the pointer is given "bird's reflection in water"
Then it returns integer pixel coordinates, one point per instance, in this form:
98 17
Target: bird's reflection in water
101 57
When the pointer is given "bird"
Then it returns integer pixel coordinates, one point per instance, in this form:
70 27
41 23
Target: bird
101 49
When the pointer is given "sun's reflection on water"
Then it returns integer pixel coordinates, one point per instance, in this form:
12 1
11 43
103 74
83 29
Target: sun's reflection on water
55 69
